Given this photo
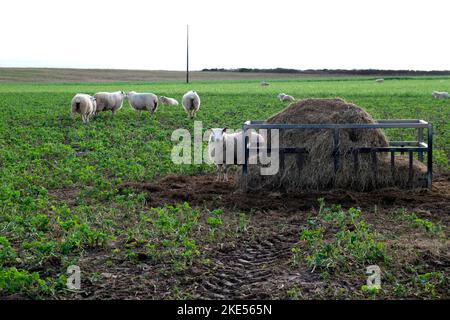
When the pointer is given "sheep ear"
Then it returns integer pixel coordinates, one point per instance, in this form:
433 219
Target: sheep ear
224 129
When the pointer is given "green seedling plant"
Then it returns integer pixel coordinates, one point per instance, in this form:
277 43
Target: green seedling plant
214 221
352 241
8 255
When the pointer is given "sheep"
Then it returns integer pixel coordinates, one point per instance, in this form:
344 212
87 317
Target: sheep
109 101
85 105
143 101
288 98
168 101
381 80
219 139
440 95
191 103
264 84
285 97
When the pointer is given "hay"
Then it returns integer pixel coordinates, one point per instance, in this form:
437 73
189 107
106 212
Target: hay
318 172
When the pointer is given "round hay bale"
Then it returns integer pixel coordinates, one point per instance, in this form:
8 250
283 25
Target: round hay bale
318 171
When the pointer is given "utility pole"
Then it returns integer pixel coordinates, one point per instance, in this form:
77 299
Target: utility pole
187 53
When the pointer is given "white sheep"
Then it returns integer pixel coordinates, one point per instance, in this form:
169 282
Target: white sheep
440 95
168 101
191 103
109 101
288 98
143 101
85 105
285 97
219 145
381 80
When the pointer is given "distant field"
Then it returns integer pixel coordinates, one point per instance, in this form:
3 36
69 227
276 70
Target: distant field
108 75
62 199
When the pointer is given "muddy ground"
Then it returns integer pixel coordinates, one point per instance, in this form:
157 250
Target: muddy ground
204 190
257 263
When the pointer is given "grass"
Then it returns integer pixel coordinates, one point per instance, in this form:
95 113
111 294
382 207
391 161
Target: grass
59 178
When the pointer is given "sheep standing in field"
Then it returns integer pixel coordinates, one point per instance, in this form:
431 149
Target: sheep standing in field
285 97
143 102
219 144
191 103
85 105
440 95
381 80
109 101
168 101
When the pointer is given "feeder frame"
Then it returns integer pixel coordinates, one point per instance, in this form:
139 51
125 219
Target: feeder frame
410 147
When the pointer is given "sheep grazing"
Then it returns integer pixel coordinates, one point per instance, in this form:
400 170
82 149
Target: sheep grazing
264 84
222 141
143 101
168 101
85 105
288 98
285 97
109 101
440 95
379 80
191 103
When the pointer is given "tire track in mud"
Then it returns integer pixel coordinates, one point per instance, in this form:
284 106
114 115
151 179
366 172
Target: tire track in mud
249 271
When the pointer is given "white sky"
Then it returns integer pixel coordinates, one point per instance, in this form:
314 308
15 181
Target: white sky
133 34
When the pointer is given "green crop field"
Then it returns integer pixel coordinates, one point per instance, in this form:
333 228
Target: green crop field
61 200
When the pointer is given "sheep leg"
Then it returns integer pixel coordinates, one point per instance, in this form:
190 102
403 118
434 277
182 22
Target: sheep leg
219 171
225 178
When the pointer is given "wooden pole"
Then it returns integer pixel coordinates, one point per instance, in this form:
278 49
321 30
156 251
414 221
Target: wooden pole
187 53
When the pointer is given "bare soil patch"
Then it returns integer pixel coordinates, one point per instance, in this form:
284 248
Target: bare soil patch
67 195
204 190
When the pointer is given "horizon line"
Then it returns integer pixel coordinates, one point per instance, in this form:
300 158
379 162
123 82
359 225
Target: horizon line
218 69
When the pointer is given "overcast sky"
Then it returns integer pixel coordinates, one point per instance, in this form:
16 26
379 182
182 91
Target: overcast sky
133 34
